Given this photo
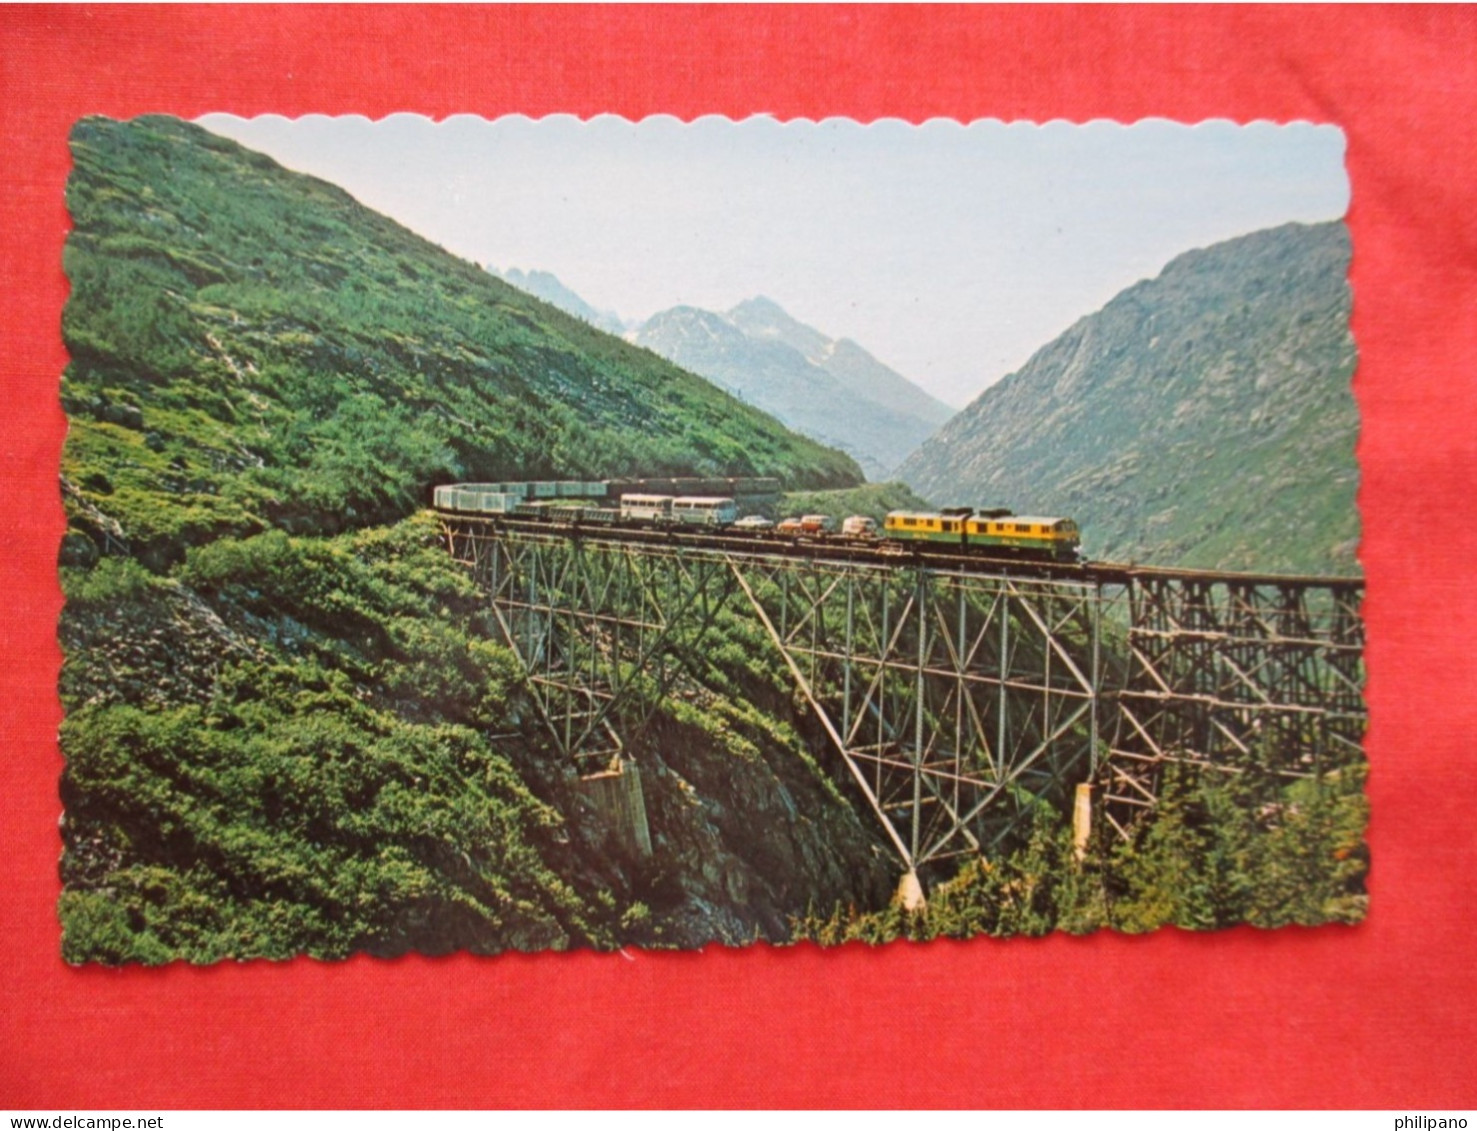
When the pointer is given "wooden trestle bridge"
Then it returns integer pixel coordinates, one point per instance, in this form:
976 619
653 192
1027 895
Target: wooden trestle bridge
956 691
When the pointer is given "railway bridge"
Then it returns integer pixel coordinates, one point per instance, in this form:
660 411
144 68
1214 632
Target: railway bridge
957 691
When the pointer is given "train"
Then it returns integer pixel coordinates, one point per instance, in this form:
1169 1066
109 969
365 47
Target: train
610 503
995 530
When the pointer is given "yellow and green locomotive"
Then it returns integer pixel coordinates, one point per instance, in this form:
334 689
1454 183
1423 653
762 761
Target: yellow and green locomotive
995 531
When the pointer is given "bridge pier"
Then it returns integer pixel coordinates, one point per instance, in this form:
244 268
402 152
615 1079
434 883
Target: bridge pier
1081 821
617 796
910 895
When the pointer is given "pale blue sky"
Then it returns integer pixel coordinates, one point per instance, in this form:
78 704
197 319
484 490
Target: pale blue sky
951 252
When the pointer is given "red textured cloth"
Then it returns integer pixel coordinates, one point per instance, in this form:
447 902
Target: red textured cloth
1376 1016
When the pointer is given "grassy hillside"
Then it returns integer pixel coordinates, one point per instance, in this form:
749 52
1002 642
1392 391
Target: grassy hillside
253 348
1202 418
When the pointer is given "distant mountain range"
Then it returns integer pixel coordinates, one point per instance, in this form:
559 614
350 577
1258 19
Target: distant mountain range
545 285
1201 418
832 391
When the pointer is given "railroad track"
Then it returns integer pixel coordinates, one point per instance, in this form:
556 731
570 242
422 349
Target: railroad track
883 553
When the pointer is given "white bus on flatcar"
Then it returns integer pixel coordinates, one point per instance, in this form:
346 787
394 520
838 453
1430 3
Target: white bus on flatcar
646 508
704 510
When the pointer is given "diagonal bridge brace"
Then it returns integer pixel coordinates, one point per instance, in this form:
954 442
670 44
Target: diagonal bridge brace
930 769
600 632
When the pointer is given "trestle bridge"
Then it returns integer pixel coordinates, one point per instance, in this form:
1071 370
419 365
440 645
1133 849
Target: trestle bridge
957 691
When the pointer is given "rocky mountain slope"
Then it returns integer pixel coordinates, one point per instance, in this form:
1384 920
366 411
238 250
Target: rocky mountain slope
843 358
1201 418
832 391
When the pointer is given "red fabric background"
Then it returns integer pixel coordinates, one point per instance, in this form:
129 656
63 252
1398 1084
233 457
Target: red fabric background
1377 1016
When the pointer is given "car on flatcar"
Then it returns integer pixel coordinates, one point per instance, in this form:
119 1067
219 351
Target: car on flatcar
807 526
859 526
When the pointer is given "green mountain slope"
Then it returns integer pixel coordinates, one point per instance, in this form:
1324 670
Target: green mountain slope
1201 418
253 348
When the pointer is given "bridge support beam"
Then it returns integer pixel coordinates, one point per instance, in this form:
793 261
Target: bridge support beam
1081 821
910 895
1226 674
958 703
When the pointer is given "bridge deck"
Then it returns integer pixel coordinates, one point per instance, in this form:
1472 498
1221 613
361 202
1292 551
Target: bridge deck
892 555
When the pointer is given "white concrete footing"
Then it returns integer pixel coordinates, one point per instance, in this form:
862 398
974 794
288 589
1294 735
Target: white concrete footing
1081 821
910 893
